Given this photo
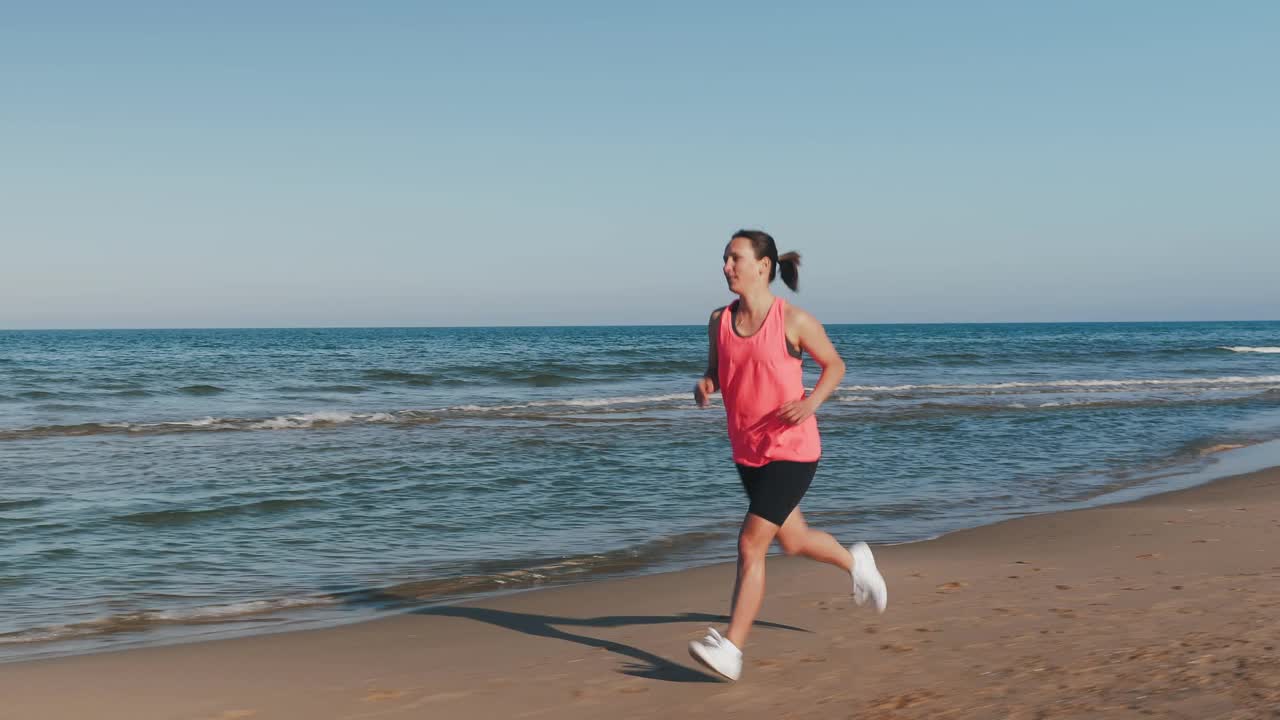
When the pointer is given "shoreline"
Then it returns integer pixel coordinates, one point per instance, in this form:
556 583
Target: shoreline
1088 596
320 613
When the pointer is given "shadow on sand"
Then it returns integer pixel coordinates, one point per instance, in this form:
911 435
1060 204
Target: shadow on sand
645 665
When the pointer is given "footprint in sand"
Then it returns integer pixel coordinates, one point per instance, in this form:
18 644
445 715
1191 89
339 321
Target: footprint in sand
895 647
1063 587
951 586
1148 556
902 702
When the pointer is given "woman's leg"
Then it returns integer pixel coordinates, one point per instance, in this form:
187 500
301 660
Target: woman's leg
748 592
797 538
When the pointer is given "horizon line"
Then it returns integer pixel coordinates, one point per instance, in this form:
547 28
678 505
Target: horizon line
614 325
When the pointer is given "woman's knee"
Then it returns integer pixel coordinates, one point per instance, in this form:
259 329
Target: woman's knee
792 544
753 546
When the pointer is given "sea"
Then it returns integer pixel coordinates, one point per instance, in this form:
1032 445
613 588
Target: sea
162 486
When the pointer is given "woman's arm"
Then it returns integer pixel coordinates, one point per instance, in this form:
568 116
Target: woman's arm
812 338
709 383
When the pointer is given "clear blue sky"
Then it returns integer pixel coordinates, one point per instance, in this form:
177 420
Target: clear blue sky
407 163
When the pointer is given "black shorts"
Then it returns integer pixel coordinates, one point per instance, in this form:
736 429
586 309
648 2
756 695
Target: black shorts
775 489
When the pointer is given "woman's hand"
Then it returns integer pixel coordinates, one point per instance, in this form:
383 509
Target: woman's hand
797 411
703 390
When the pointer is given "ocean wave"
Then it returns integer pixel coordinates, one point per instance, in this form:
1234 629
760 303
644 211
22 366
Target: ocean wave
898 409
1246 349
212 424
399 376
548 409
520 574
147 619
544 379
1078 385
1221 447
593 403
319 419
537 374
200 390
1136 403
162 518
64 407
895 399
117 385
20 503
1037 355
348 389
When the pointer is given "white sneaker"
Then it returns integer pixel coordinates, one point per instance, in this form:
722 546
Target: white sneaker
717 653
868 584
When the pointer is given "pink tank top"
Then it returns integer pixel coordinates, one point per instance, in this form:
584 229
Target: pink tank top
758 375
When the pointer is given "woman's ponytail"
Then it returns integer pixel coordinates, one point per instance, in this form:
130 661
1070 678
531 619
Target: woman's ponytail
789 265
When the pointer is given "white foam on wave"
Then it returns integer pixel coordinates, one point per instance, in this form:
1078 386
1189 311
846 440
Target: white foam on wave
205 422
233 610
574 402
329 418
1247 349
307 420
634 400
145 618
1069 384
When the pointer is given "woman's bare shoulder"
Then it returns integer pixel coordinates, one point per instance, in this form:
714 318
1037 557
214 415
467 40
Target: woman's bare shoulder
797 316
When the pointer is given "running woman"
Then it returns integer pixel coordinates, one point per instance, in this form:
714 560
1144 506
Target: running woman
754 360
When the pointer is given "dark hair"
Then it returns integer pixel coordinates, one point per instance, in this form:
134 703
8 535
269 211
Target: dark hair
763 245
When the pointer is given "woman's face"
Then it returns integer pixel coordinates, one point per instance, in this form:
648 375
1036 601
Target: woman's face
742 269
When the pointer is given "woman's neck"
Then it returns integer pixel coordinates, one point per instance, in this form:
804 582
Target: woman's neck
755 304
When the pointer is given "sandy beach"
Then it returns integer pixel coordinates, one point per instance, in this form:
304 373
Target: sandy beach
1163 607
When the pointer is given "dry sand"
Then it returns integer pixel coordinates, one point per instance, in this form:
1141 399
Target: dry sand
1167 607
